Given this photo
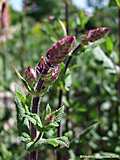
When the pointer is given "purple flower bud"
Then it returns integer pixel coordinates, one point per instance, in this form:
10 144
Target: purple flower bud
95 34
42 67
30 74
52 74
48 78
55 72
57 53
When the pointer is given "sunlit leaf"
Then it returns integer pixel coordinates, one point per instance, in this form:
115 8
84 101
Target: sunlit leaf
63 27
118 2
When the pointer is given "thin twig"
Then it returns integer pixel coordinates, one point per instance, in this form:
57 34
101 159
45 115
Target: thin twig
118 82
23 40
119 33
67 17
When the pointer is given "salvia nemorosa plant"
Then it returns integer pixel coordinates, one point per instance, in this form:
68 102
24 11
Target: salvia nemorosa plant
32 124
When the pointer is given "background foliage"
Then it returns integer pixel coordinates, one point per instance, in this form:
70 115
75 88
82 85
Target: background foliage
92 105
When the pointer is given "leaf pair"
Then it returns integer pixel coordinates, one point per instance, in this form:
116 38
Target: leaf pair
52 119
55 142
24 116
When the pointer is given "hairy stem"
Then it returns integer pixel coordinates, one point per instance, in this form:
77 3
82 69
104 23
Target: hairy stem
35 106
35 109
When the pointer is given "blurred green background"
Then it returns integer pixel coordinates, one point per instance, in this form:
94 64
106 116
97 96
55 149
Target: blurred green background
93 102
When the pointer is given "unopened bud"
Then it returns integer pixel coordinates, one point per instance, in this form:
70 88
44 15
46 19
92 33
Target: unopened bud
52 74
95 34
30 74
50 118
57 53
55 72
42 67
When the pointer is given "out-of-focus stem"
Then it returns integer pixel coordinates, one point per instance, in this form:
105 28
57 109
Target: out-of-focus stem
23 40
119 33
118 83
67 17
59 133
4 67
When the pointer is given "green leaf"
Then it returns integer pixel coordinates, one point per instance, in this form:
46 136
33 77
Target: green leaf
35 145
21 96
24 134
48 109
118 2
24 82
19 107
63 27
5 153
109 44
30 146
69 134
25 137
60 141
55 117
34 119
25 122
59 114
31 119
63 141
20 113
83 19
53 124
53 142
106 61
37 119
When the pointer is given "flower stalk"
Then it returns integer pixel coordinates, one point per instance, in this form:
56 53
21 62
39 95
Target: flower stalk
44 74
47 70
